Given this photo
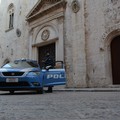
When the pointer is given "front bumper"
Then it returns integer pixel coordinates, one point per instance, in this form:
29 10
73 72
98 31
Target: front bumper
23 83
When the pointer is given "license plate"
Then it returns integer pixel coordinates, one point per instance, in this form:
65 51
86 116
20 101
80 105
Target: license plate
12 80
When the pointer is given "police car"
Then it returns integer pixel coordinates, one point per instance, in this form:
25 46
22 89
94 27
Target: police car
25 74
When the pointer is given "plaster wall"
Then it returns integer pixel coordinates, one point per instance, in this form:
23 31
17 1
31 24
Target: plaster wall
102 22
75 55
85 37
11 46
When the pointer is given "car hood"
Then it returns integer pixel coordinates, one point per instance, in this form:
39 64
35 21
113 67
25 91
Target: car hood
19 69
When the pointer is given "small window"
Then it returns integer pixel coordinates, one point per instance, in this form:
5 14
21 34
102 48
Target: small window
10 18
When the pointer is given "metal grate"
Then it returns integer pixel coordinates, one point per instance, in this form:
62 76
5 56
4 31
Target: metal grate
12 73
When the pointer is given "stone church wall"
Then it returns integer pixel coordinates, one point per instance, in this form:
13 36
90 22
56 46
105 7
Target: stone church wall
87 32
11 46
102 18
87 35
75 55
94 54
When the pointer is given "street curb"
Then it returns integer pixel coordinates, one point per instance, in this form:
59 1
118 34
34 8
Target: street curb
87 90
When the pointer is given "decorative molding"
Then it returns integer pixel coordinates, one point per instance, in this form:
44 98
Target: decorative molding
42 27
114 30
45 34
18 32
38 11
30 31
60 19
75 6
40 4
46 19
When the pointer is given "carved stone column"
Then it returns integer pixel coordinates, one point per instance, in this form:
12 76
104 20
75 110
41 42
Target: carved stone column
60 47
30 43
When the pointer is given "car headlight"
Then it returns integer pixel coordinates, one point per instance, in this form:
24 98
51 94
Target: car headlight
33 73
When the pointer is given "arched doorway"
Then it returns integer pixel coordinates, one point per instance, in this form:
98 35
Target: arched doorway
115 59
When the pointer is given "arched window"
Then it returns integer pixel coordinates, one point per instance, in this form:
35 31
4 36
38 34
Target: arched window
10 16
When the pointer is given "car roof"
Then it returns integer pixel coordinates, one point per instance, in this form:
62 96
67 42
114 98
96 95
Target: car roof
27 60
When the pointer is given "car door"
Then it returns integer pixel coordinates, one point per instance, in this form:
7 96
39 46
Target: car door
56 76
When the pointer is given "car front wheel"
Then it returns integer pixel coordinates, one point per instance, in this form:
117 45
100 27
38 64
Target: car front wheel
40 91
11 91
50 90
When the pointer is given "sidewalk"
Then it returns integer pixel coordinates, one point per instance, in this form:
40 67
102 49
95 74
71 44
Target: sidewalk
63 88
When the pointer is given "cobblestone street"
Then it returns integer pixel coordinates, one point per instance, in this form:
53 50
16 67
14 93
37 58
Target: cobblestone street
60 106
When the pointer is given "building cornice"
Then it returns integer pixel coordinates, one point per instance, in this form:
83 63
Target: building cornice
40 13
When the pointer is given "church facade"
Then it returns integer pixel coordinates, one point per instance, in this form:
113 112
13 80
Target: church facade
85 34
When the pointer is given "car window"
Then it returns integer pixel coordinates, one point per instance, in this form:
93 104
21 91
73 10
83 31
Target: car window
21 64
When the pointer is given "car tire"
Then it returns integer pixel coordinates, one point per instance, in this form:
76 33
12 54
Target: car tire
11 91
50 90
40 91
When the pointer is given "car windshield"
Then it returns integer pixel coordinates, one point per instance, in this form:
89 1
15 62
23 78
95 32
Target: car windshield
21 64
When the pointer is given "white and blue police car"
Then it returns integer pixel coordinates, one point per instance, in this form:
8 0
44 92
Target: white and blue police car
26 74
